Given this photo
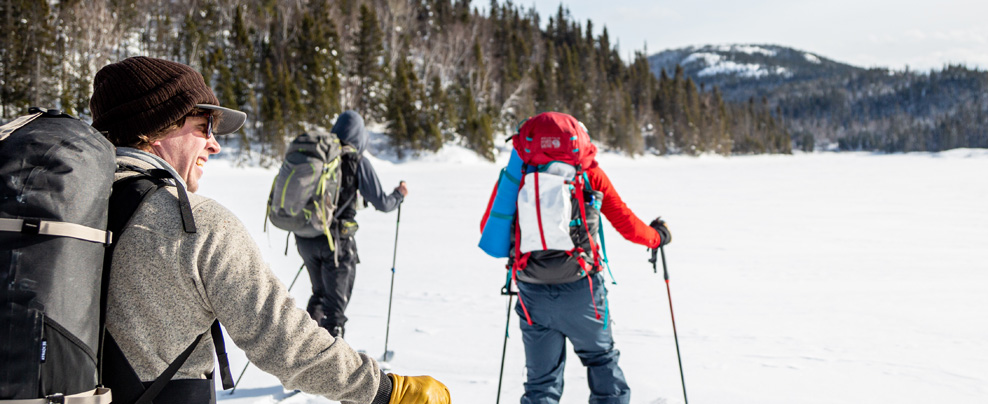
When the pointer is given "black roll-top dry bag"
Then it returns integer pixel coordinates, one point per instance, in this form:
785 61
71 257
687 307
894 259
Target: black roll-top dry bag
55 177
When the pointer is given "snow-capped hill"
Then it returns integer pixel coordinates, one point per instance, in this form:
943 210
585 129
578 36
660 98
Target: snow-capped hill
746 65
746 61
715 64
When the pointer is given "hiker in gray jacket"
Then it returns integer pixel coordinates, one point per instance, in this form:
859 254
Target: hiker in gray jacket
169 285
332 272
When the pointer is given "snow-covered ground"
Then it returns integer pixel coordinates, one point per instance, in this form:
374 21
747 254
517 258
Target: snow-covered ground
813 278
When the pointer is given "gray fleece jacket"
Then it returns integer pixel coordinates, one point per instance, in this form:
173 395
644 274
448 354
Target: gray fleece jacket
167 287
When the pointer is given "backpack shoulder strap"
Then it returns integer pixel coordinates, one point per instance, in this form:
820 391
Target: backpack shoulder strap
224 362
126 384
127 196
159 384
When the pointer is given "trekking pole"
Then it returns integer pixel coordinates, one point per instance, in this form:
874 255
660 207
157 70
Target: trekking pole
248 362
506 290
394 259
665 274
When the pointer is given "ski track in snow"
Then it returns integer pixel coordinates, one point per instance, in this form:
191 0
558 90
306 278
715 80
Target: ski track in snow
812 278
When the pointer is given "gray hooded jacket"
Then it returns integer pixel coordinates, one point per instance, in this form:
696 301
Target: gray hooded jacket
349 127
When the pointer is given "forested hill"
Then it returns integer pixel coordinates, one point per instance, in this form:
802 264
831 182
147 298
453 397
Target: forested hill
824 102
435 72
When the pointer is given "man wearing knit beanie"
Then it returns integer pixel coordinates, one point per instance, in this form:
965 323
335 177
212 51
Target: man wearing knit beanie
170 282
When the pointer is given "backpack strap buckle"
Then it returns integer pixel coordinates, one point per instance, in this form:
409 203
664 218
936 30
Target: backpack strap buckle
31 226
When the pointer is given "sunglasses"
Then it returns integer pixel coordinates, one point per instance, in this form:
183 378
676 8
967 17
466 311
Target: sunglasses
209 122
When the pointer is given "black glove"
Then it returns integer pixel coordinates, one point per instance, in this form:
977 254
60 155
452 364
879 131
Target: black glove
665 237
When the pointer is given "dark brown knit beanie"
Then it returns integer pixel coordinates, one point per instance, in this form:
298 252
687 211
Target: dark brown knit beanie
140 96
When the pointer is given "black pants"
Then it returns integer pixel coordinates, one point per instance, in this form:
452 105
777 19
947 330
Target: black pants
332 278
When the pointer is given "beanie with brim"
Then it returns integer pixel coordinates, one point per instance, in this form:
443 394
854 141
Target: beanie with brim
141 96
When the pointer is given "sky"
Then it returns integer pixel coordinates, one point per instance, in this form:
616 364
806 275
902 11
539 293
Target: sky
920 34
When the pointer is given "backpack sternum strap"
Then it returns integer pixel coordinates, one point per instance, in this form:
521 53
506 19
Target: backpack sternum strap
95 396
53 228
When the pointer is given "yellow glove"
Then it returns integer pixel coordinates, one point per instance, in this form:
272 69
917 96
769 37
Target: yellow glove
417 390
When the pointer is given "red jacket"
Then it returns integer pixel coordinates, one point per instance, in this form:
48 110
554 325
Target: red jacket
616 212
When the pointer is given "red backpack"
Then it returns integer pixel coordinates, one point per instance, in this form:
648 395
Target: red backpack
558 213
554 136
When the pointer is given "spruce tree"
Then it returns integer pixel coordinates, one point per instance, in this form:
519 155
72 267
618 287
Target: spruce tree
722 136
440 108
368 70
316 71
27 56
476 127
294 111
409 125
400 108
225 83
243 72
273 132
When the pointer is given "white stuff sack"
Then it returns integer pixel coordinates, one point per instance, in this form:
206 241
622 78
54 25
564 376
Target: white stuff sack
555 207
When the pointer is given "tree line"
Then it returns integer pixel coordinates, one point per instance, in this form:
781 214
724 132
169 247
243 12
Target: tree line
891 111
434 72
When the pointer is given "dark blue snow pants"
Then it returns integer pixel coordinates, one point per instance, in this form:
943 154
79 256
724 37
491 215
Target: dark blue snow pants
566 311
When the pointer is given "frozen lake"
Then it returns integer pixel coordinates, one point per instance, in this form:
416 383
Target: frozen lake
812 278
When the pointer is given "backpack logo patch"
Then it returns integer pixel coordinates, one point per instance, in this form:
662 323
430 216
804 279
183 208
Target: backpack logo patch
551 142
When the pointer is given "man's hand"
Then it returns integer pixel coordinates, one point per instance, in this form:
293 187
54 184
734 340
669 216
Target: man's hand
402 188
417 390
665 237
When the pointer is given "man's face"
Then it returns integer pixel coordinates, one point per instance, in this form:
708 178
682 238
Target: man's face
187 149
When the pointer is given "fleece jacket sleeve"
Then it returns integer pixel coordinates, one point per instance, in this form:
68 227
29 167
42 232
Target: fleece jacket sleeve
265 321
370 188
620 216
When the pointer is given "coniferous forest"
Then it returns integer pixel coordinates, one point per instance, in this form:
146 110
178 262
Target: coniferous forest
432 72
836 106
890 111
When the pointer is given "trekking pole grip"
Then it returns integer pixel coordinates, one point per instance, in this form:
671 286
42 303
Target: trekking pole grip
665 271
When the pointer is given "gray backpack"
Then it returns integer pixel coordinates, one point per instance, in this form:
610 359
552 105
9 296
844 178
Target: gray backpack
305 194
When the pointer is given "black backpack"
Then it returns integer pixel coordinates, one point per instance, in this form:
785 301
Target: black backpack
57 221
55 177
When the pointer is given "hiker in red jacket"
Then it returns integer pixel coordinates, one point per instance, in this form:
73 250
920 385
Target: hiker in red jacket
561 291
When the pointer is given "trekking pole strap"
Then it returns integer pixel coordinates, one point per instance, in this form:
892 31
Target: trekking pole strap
51 228
603 249
96 396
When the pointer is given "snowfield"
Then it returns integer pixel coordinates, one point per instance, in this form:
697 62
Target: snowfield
812 278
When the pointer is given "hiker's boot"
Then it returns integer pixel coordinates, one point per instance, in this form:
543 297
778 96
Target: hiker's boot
315 309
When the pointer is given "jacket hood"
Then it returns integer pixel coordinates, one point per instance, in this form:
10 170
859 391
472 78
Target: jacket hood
349 127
